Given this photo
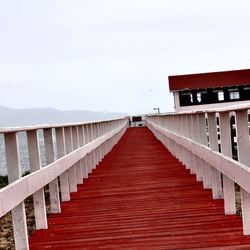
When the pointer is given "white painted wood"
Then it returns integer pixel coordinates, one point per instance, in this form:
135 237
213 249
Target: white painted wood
78 169
35 164
197 160
86 141
93 132
232 169
64 177
55 206
101 146
36 127
226 149
98 150
224 106
69 149
85 162
24 187
14 173
81 143
92 155
202 131
213 144
243 143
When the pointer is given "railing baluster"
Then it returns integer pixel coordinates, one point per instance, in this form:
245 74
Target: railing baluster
87 140
226 149
202 131
243 143
64 177
78 169
81 143
69 148
213 144
95 151
14 173
53 186
189 135
92 154
195 137
85 160
35 164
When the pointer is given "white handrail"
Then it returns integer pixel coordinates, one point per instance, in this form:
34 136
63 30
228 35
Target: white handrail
204 146
80 148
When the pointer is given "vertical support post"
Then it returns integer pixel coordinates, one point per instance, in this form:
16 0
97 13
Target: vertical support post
213 144
207 179
244 157
226 149
98 150
189 135
87 140
91 131
197 160
81 143
78 169
14 173
99 135
64 177
85 160
69 148
35 164
53 185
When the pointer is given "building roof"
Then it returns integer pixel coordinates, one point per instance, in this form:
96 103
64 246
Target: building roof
209 80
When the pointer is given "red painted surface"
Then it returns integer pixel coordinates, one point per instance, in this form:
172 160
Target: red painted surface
140 197
209 80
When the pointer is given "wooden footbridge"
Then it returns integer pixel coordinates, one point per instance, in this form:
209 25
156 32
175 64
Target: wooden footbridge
170 185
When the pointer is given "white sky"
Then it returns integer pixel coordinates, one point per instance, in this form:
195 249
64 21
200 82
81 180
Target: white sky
114 55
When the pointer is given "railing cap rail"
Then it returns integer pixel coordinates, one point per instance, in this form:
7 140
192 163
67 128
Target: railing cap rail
52 125
230 108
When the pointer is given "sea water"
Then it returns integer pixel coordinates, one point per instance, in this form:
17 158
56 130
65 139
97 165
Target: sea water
23 151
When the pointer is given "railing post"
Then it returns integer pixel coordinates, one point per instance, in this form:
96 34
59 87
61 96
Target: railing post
64 177
226 149
213 144
14 173
202 130
92 154
81 143
94 136
191 164
53 186
78 169
87 140
35 164
85 160
98 134
69 148
243 143
197 160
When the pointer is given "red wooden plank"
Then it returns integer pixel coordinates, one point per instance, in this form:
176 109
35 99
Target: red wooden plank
140 197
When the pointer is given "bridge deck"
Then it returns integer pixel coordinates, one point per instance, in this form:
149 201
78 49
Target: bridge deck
140 197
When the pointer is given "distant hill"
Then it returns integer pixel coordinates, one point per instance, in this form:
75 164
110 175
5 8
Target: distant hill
23 117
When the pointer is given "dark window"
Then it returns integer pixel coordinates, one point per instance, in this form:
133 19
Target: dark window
214 95
234 94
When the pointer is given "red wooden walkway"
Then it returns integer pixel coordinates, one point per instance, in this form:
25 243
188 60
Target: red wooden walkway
140 197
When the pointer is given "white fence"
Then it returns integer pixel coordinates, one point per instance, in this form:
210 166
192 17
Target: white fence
194 139
79 148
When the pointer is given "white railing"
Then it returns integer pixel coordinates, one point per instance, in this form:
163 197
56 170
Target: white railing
79 148
204 146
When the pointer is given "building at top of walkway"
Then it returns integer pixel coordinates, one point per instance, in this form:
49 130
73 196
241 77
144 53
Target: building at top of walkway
210 90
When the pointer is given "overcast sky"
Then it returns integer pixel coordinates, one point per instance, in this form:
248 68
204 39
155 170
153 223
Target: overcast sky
114 55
